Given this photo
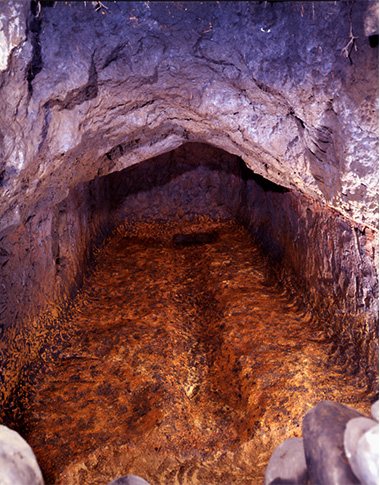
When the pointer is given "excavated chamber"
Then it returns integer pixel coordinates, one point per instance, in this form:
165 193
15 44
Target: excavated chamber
260 111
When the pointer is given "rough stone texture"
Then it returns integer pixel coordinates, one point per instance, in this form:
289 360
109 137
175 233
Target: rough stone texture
287 464
129 480
13 22
334 261
283 85
290 88
355 429
18 465
368 457
323 430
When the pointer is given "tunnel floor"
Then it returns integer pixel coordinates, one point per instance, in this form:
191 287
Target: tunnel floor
183 364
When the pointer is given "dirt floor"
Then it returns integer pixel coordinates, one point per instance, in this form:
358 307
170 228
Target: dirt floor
183 364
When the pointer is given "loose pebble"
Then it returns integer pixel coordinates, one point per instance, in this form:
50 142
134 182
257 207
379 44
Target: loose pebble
18 464
375 411
355 429
368 457
323 433
287 464
129 480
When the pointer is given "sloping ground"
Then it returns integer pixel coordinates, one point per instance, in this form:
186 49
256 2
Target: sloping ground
183 364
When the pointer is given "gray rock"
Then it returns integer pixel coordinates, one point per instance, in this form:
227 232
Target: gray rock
355 429
375 411
129 480
323 433
368 457
287 464
18 465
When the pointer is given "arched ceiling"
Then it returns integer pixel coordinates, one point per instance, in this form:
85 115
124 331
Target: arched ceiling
90 88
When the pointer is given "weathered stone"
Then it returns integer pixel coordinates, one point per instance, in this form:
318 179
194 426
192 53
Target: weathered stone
371 19
355 429
368 457
18 465
86 93
287 464
13 19
163 78
375 410
129 480
323 433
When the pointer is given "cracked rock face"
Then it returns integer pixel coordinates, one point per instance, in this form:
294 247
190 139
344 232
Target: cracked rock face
289 87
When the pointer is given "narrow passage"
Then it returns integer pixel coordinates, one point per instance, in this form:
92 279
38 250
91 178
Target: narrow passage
185 365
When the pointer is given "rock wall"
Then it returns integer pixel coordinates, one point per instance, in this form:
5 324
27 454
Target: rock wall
290 87
195 179
333 260
43 262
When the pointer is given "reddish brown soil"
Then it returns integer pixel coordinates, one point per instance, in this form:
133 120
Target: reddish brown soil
185 365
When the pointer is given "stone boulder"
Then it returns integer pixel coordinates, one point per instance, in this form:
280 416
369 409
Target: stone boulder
287 464
18 465
323 433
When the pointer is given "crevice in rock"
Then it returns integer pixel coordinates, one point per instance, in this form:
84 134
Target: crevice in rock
115 54
374 40
45 127
34 29
88 92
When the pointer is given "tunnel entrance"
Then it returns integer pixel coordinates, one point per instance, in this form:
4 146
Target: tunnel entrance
186 356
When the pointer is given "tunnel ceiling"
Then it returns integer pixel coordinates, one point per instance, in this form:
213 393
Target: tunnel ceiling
89 88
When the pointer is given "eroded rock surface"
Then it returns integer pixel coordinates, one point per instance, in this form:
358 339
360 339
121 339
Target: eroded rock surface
291 88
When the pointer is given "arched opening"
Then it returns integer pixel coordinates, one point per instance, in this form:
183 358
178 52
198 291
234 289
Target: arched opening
197 338
238 140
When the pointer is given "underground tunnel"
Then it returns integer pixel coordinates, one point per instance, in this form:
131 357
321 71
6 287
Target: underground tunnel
188 231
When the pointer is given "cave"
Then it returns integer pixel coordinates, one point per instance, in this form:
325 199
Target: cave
188 230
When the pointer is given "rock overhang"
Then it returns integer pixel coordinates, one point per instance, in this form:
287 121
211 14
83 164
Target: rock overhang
290 87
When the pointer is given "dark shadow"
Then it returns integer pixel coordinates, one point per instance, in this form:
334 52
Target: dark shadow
374 40
163 169
266 185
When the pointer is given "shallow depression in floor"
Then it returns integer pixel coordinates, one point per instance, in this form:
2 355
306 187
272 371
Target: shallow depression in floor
181 362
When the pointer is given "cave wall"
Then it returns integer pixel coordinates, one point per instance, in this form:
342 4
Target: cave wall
195 179
289 87
43 259
43 263
333 261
